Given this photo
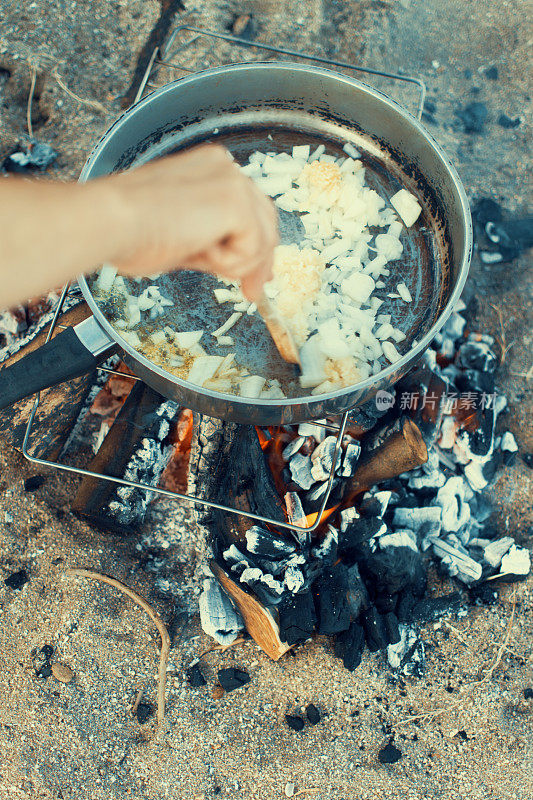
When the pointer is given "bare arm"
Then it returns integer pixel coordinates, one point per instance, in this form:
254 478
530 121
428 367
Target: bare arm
192 210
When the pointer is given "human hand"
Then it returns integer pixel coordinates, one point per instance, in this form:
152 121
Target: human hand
196 210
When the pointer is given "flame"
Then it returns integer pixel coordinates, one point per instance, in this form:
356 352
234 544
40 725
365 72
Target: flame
264 440
310 519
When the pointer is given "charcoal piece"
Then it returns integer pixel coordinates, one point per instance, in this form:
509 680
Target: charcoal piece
473 117
294 722
517 562
42 661
374 628
527 458
218 616
300 467
326 551
357 592
432 608
408 655
476 356
33 483
508 458
392 629
386 603
331 601
405 605
528 693
483 594
268 589
389 754
322 458
292 448
357 533
297 618
268 545
393 570
507 122
17 579
495 551
195 677
492 73
313 714
37 156
232 678
350 459
349 645
144 712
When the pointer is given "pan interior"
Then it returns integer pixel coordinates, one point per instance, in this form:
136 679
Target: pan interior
422 266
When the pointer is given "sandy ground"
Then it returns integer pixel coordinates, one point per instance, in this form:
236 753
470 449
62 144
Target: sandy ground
464 728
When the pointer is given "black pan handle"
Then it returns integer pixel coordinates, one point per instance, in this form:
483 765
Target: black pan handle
72 353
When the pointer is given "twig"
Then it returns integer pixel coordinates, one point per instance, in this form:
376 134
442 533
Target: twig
306 791
156 619
30 101
502 341
94 104
220 648
458 634
503 646
135 706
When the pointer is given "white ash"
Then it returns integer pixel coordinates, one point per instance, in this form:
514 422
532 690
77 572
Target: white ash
327 545
399 538
350 459
317 491
495 551
459 565
414 518
309 429
218 616
347 516
292 448
295 511
508 442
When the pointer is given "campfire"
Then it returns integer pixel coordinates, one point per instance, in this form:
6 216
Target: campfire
405 484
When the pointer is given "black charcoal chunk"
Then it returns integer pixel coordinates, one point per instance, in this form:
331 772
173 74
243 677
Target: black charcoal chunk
357 592
297 618
389 754
528 693
294 722
483 594
492 73
486 210
232 678
432 608
404 608
392 629
42 661
473 117
144 712
507 122
195 676
527 458
374 628
37 156
349 645
17 579
356 534
34 482
393 570
268 545
385 603
331 600
313 714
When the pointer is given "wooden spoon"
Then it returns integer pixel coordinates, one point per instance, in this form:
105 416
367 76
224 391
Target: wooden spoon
278 330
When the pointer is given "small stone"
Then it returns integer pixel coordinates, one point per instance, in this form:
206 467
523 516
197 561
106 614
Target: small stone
473 116
62 673
492 73
17 579
34 482
528 693
217 692
289 789
389 754
294 722
232 678
313 714
144 712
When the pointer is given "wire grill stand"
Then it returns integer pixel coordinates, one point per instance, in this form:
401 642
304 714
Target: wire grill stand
163 58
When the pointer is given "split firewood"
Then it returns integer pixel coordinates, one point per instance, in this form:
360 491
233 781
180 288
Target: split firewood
259 622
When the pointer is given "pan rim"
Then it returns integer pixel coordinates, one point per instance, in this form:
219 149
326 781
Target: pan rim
373 380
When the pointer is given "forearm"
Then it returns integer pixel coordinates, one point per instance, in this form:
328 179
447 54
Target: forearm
53 231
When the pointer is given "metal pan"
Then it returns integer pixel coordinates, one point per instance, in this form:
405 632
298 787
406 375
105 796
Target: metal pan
271 107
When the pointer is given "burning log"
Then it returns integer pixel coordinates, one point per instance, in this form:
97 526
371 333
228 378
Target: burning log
59 406
137 435
386 454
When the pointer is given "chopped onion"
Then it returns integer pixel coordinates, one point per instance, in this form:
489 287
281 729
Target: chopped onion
187 339
301 151
390 352
407 206
252 386
203 368
226 295
404 292
351 151
226 341
358 287
158 337
227 325
106 278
